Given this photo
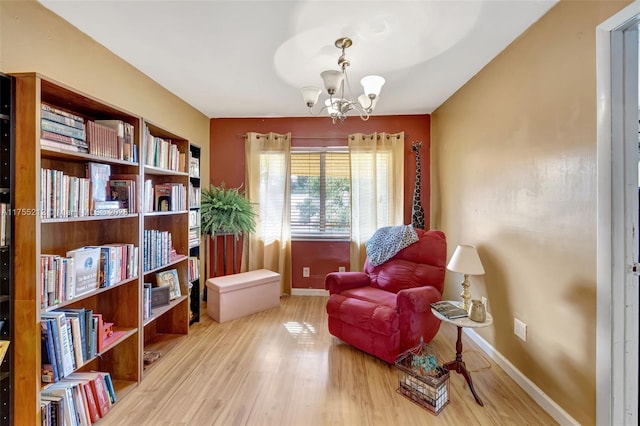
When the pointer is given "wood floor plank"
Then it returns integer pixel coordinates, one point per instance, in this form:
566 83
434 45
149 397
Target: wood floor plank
282 367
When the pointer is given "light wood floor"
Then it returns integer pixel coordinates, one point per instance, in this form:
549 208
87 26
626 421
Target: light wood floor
282 367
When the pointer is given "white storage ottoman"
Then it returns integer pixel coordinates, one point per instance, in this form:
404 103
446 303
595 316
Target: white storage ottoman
234 296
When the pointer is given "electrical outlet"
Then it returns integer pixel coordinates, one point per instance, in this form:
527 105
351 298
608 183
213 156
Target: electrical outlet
484 302
306 272
520 329
341 269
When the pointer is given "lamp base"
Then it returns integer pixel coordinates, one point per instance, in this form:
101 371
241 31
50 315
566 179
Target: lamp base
466 295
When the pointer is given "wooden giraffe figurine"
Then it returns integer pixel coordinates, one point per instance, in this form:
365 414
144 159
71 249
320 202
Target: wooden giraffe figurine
417 212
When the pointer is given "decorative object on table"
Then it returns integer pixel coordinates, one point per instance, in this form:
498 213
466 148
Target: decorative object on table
466 261
422 379
169 279
339 103
477 311
417 212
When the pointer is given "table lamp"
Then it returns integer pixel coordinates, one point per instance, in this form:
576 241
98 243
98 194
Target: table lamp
465 260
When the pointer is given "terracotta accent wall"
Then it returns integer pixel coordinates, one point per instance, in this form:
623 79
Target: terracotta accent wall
227 165
514 173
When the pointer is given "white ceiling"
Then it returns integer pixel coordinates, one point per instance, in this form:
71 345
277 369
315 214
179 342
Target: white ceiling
249 58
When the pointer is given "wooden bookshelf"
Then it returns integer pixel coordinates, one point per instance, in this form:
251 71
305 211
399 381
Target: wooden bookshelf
169 322
120 303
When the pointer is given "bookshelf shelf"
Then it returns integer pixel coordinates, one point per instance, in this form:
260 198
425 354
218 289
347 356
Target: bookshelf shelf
151 170
50 152
169 213
161 310
121 302
90 218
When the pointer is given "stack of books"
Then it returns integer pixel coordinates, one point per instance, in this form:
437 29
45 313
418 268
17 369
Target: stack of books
62 130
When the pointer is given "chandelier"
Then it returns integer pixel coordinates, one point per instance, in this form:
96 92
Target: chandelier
340 102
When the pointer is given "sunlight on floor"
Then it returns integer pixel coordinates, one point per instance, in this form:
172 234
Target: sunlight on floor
303 332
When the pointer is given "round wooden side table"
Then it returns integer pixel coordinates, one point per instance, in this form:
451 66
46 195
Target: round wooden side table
458 364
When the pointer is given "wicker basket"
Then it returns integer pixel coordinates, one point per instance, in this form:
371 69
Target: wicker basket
430 391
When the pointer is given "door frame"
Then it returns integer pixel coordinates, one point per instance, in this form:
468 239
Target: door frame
617 222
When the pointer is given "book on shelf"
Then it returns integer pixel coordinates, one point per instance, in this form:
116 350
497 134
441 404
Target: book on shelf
146 301
163 153
163 197
194 167
170 279
126 148
62 129
55 409
84 316
123 191
132 181
49 371
449 310
65 393
53 114
64 341
99 175
194 268
62 116
86 269
103 140
98 388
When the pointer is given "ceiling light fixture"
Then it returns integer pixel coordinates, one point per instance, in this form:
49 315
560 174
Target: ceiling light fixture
339 103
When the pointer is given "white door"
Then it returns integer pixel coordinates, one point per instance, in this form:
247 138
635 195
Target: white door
618 223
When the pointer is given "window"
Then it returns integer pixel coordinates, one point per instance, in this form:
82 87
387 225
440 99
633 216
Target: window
320 193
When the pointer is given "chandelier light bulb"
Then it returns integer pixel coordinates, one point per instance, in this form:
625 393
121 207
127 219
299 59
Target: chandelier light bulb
332 80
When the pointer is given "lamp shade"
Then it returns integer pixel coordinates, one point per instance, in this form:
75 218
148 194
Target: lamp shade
310 95
332 80
465 260
372 84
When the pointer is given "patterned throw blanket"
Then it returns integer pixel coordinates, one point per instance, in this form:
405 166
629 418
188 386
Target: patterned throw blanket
387 241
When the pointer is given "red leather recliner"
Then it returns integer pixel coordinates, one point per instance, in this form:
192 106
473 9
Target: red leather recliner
385 310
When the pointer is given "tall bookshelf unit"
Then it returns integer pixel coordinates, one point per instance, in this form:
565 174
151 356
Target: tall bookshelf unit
195 238
7 123
120 303
168 322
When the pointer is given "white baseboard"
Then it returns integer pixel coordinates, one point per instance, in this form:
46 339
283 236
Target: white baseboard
309 292
525 383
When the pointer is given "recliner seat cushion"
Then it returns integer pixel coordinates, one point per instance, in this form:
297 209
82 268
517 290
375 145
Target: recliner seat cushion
363 314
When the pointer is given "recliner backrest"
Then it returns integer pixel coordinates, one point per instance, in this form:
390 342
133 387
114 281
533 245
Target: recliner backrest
422 263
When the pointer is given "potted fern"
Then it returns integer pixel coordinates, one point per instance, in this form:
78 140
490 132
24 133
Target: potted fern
226 210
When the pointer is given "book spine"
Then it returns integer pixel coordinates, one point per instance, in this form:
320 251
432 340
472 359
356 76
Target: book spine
63 129
63 113
68 140
59 118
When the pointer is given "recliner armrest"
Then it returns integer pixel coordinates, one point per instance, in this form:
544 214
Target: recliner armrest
418 299
337 282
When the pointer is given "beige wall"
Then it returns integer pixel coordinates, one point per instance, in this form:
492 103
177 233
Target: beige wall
514 173
34 39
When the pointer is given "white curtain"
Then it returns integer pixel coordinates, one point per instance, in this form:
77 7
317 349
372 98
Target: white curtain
267 183
377 188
